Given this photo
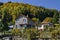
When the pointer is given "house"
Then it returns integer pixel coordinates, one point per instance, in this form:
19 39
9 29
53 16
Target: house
40 27
46 22
43 25
23 21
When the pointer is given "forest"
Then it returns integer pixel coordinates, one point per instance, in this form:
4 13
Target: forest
11 10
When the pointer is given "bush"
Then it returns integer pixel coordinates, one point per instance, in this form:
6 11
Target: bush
16 32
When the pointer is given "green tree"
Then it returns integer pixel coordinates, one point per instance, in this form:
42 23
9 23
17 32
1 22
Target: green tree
55 17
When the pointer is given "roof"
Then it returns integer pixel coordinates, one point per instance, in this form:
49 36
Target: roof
24 16
21 15
11 26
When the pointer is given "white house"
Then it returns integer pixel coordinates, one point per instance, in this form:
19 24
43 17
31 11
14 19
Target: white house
43 25
46 22
23 21
40 27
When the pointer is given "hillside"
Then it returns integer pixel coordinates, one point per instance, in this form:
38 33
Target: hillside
10 11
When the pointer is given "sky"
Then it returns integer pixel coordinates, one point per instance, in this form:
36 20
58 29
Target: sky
51 4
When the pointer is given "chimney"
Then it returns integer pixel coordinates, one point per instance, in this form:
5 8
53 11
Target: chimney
27 15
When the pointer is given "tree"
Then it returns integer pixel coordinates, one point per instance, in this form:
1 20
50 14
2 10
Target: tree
55 17
1 3
30 33
5 21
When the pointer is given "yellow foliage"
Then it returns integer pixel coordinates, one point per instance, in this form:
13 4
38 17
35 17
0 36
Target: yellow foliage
35 19
47 19
16 32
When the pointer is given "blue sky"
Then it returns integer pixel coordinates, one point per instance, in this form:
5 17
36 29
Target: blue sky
54 4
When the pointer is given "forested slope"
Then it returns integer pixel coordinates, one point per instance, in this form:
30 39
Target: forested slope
11 10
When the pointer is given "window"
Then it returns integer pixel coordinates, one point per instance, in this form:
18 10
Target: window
16 26
24 20
21 25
